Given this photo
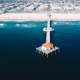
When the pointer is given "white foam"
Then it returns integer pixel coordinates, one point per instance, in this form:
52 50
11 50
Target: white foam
2 25
55 23
26 25
17 25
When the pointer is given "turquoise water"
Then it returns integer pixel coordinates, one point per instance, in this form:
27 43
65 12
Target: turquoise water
18 41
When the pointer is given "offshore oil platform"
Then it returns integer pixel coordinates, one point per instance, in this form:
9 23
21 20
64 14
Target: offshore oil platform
47 47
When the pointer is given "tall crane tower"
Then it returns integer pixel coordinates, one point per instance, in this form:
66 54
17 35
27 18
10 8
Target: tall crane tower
48 47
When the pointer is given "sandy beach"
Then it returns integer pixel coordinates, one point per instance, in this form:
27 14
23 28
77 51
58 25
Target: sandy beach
39 16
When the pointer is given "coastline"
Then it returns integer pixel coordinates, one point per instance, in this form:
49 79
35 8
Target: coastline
39 16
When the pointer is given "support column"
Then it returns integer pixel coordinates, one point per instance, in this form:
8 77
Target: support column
48 37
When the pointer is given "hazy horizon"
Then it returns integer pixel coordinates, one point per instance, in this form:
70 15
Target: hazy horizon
40 0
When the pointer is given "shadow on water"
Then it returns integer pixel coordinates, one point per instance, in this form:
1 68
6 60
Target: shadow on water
50 58
52 63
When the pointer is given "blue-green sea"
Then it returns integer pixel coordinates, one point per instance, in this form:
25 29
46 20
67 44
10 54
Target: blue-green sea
18 42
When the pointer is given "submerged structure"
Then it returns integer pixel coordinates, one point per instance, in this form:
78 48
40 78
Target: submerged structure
47 47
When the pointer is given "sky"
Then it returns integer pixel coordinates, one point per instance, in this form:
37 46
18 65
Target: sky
38 0
21 0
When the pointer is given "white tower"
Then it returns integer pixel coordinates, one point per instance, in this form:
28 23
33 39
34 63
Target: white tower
47 47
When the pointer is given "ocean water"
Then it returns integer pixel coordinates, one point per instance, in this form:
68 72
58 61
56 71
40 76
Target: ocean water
18 42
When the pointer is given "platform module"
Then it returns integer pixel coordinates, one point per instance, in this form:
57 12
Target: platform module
47 47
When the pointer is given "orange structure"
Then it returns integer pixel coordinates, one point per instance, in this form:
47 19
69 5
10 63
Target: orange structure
47 47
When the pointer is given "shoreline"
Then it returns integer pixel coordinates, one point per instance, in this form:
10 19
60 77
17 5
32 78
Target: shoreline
39 17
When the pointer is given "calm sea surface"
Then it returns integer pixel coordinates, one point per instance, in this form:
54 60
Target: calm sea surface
18 42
